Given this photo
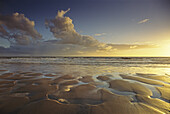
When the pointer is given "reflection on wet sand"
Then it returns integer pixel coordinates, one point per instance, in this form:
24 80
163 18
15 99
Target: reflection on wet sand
40 93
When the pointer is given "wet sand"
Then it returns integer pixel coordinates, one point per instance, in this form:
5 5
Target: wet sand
39 93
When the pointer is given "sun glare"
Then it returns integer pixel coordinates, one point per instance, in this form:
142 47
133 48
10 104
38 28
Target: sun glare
165 50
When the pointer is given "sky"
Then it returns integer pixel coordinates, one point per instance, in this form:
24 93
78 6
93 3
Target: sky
85 27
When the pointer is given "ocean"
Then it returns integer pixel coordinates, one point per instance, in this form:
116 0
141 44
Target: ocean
88 64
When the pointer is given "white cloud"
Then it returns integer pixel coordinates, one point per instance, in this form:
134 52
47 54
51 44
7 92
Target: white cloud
67 42
100 34
63 28
132 47
143 21
80 52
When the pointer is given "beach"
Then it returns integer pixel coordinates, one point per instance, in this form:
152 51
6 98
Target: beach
84 57
84 85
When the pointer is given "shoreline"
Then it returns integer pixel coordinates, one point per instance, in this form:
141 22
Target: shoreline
123 57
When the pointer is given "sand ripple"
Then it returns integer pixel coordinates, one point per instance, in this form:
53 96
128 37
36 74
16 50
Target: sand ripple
38 93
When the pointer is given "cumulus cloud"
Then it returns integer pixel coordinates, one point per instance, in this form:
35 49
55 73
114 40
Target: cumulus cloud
18 29
143 21
63 28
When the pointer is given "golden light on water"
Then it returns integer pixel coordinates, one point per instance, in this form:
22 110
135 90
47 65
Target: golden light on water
93 57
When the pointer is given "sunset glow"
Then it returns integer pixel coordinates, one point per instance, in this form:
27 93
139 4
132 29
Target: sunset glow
111 28
84 56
